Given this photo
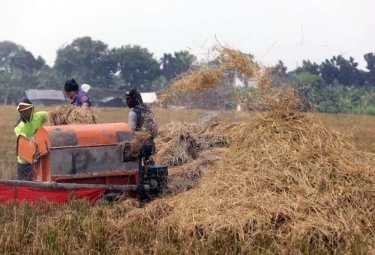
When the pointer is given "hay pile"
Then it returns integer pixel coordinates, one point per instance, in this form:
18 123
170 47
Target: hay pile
69 114
187 176
131 149
178 143
285 185
188 148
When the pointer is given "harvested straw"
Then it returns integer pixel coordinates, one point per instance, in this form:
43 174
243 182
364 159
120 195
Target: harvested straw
187 176
189 148
193 82
206 78
286 185
180 143
199 81
132 148
69 114
235 60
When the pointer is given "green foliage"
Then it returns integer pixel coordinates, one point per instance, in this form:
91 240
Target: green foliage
19 70
177 64
337 86
334 86
308 67
138 67
88 61
278 74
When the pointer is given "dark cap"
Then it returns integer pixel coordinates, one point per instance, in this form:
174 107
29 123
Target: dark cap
130 93
70 85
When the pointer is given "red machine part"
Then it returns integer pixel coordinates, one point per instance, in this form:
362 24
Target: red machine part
80 154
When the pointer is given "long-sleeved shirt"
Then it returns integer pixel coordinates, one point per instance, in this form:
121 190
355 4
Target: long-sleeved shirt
28 128
81 98
132 120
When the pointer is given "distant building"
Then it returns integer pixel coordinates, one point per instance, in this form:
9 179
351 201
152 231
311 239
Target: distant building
46 97
149 98
241 83
111 102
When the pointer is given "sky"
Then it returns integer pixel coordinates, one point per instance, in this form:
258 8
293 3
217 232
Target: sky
271 30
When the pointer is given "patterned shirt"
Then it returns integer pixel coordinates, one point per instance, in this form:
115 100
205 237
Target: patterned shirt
81 98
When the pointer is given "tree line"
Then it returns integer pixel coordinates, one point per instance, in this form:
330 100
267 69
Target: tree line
334 86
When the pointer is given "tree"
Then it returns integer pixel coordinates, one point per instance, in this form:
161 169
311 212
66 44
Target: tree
370 60
19 69
329 71
8 50
309 86
348 73
88 61
343 70
138 67
278 73
175 65
49 78
309 67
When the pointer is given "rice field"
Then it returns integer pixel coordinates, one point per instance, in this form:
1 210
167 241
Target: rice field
276 182
78 228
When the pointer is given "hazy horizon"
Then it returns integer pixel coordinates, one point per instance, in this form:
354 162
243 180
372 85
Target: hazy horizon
271 30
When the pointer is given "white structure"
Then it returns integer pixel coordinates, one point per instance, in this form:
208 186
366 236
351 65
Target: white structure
149 97
251 83
239 107
85 87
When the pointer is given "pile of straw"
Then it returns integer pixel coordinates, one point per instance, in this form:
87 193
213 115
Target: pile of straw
178 143
69 114
131 149
188 148
286 184
187 176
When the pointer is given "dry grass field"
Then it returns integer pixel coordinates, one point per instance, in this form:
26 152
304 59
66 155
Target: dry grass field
277 182
359 129
78 228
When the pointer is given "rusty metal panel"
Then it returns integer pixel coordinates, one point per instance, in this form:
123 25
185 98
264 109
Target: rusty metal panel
88 161
60 138
26 148
124 136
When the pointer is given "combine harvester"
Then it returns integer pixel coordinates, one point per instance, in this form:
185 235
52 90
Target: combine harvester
85 161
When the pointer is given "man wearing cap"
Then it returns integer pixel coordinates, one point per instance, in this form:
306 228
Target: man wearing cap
141 117
78 97
27 125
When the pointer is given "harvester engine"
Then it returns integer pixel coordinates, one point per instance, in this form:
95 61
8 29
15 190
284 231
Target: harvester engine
90 156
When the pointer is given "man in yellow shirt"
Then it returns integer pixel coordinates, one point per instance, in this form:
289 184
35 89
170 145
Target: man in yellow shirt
27 125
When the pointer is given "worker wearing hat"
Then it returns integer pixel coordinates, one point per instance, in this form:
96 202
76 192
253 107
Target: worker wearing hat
27 125
78 97
140 117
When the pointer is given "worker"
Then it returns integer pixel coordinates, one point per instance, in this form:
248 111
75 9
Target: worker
78 97
28 123
140 117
